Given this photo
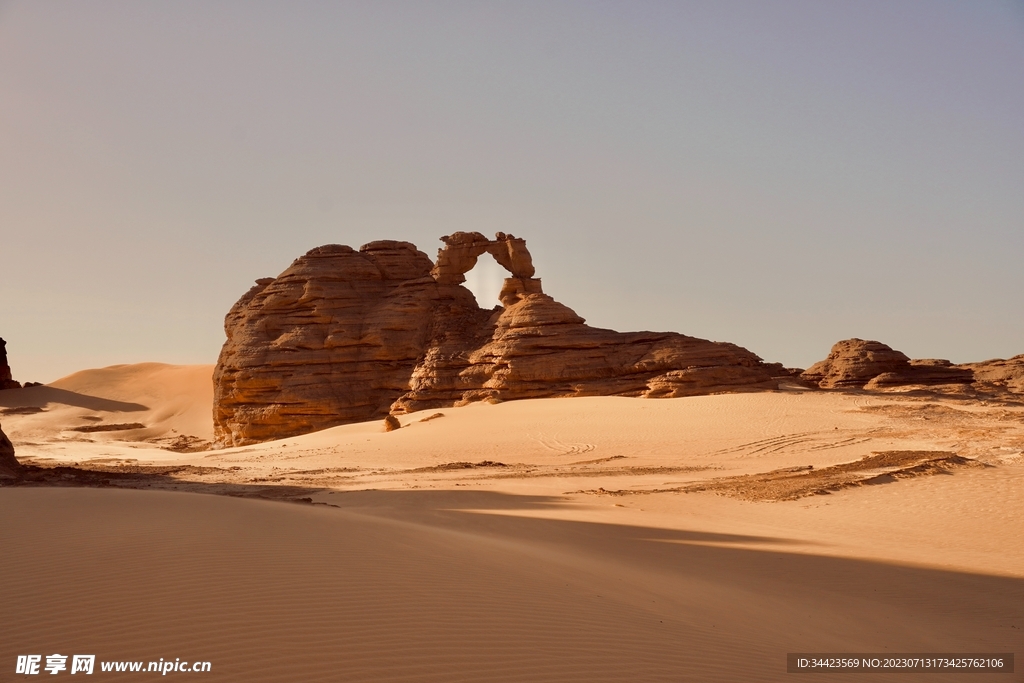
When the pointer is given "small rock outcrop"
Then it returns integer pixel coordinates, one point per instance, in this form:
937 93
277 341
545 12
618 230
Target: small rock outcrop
10 468
6 380
852 363
347 335
860 364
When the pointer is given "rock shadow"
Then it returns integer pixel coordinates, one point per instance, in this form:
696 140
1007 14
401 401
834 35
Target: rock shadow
837 602
42 396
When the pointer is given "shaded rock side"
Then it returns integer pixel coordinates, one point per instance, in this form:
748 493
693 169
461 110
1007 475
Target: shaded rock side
346 336
10 468
6 379
862 364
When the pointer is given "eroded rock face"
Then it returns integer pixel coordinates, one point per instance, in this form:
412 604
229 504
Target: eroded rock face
347 336
6 380
332 340
857 364
10 468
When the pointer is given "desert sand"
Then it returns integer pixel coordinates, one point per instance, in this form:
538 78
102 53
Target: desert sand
580 539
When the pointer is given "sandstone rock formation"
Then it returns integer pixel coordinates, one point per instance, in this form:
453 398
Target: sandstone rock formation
856 364
6 380
10 468
347 336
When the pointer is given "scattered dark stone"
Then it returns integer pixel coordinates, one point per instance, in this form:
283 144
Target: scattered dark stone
109 428
22 410
187 443
449 466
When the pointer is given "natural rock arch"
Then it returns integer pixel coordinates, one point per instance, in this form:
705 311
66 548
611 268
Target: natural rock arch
462 249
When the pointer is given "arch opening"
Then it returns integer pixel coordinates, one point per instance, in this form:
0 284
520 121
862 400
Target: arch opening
485 280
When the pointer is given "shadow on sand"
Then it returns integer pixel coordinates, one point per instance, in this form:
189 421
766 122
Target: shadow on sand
40 397
539 598
484 512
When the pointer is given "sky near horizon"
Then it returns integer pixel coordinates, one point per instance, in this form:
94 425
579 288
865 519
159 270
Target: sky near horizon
781 175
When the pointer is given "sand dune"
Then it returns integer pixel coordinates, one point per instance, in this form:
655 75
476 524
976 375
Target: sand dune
542 540
113 411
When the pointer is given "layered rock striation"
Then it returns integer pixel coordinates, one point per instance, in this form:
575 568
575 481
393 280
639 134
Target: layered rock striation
347 335
332 340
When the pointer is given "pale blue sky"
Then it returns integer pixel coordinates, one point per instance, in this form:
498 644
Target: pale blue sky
777 174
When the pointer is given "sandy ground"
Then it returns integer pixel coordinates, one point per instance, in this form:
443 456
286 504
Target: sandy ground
582 539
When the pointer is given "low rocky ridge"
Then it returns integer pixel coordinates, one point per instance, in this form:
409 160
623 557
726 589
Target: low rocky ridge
347 335
793 483
999 374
